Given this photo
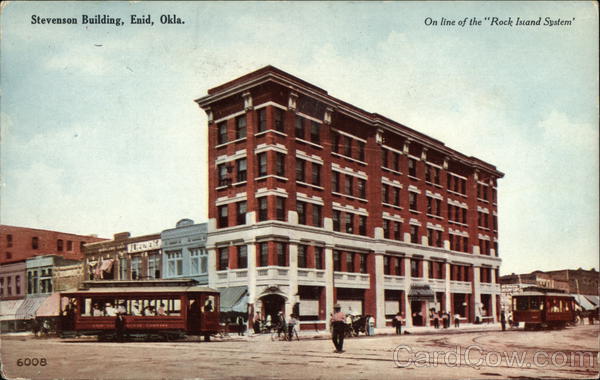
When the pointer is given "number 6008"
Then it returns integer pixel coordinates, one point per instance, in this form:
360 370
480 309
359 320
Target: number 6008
32 362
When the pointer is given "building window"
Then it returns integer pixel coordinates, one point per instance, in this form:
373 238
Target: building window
262 164
396 196
316 215
223 216
300 170
362 225
9 286
154 266
386 265
301 209
397 267
263 254
397 231
302 256
123 268
349 262
1 286
240 127
412 199
335 182
280 208
136 266
314 133
279 126
335 142
69 245
363 263
8 255
9 241
438 239
336 220
316 174
299 127
337 261
347 146
241 169
174 263
242 256
348 184
361 151
35 243
262 209
279 164
223 258
59 245
414 234
318 258
281 254
349 223
386 229
18 285
222 133
430 237
385 189
262 119
241 212
362 188
222 173
384 157
412 167
396 162
414 268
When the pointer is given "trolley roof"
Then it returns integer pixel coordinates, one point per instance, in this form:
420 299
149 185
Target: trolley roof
141 287
540 294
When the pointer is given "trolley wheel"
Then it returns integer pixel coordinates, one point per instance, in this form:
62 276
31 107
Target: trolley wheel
207 337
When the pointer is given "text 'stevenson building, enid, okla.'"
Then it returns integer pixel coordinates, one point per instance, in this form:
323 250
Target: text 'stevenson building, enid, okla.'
313 201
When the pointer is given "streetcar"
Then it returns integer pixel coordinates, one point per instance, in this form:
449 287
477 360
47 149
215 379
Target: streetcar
167 309
543 308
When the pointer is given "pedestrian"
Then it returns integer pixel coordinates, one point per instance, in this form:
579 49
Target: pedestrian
45 328
436 320
371 325
339 326
456 320
445 320
241 325
398 323
35 326
120 326
503 320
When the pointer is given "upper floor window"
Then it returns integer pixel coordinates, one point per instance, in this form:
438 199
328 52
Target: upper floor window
348 146
396 161
301 209
412 199
299 127
414 234
222 173
69 245
362 225
223 262
241 212
241 169
316 214
386 265
316 174
335 142
198 261
415 268
302 262
262 119
240 127
222 132
223 216
9 241
262 164
314 133
349 262
136 267
412 167
281 254
385 190
263 254
35 243
242 252
397 231
336 220
335 182
363 263
300 170
348 184
153 266
384 157
174 263
279 116
361 150
262 209
279 164
349 223
280 208
337 261
59 245
362 188
318 257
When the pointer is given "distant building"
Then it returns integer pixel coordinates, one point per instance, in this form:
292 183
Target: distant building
124 258
184 251
21 243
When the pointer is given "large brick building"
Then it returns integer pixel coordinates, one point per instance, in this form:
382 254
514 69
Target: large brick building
313 201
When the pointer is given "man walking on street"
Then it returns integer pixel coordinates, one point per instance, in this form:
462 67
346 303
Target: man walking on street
503 320
338 323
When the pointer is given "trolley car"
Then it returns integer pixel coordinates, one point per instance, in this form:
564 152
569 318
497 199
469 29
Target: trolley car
169 309
543 308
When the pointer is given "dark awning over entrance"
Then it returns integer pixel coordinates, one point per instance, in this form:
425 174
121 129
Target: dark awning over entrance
420 292
234 298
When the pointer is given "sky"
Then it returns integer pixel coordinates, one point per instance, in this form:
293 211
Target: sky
100 133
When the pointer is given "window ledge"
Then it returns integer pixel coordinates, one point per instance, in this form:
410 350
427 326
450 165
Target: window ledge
258 134
230 142
310 185
348 158
309 143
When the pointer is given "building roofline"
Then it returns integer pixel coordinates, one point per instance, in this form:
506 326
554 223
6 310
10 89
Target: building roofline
45 230
273 74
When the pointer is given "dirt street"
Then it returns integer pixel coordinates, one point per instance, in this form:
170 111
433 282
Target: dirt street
570 353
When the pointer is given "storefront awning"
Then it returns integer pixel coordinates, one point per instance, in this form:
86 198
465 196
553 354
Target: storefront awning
420 292
583 302
50 307
29 307
593 299
234 298
8 309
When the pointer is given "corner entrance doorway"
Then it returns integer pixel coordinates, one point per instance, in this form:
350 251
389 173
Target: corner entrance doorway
272 305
